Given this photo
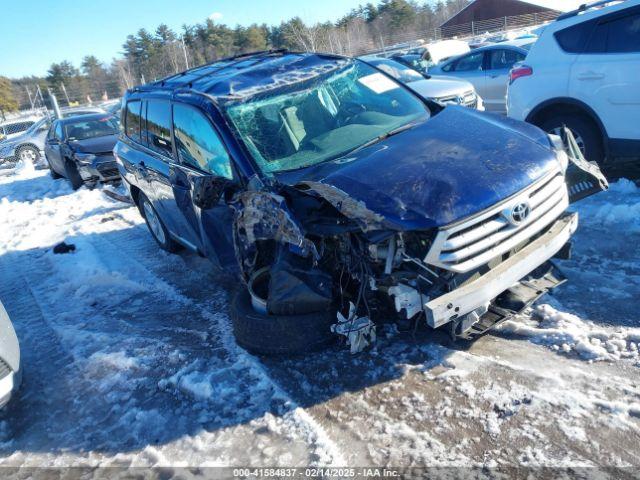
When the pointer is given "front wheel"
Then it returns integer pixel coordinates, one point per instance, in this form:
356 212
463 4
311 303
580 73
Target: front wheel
29 154
586 133
156 227
55 175
268 334
72 174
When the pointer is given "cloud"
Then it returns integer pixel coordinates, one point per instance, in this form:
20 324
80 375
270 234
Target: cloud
215 16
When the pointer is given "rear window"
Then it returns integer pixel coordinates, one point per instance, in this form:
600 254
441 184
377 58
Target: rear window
132 120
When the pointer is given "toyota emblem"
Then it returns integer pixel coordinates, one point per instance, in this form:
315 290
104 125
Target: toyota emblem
519 213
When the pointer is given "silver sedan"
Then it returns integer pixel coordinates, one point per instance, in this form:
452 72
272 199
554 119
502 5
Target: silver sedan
444 90
487 68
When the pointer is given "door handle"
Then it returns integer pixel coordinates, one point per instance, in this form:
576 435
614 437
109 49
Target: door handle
591 76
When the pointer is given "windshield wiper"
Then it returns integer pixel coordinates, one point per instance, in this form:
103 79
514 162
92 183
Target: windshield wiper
382 137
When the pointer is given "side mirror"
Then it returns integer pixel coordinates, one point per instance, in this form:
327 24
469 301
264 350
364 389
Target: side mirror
53 141
209 189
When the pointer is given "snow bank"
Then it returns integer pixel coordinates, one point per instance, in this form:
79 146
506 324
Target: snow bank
566 332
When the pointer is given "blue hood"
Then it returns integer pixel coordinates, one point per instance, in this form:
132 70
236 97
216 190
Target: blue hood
453 165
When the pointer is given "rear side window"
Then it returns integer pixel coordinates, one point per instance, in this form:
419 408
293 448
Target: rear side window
504 59
198 143
575 38
159 126
624 35
132 121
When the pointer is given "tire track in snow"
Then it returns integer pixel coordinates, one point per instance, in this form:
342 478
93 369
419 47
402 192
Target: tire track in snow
143 260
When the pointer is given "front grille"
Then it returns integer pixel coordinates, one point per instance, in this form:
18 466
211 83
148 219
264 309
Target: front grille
474 242
468 99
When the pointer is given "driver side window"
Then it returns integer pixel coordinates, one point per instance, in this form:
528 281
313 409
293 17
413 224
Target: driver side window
198 143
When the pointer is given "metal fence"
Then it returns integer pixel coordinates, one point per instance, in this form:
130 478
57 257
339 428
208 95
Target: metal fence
502 24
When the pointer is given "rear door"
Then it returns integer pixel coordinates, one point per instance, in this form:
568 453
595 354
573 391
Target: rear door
498 63
606 75
160 167
201 152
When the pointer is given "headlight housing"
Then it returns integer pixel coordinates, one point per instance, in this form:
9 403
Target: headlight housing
561 154
85 158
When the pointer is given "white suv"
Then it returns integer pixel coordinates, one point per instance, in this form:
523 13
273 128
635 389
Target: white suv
584 73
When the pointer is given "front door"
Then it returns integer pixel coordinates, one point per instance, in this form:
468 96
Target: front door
201 152
498 64
160 171
52 148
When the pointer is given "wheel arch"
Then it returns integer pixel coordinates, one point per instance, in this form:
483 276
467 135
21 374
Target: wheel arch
567 105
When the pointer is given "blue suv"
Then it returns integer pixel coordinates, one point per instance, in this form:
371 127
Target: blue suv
343 199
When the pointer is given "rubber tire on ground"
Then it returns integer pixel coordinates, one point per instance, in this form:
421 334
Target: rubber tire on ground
279 334
169 245
583 126
55 175
72 174
29 147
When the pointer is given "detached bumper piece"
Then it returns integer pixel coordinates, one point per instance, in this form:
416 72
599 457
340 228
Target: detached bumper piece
512 302
583 178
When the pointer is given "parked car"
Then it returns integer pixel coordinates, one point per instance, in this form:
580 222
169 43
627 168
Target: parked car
584 73
80 148
487 68
9 130
414 61
444 90
26 146
334 191
10 368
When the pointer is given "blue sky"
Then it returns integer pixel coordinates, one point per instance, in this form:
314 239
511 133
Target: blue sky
36 33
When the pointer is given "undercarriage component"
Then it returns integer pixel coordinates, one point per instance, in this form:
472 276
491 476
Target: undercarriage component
360 331
512 302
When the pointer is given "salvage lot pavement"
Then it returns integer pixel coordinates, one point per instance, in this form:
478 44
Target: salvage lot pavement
129 359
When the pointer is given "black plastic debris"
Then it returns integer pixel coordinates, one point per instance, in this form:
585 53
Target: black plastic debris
63 248
297 291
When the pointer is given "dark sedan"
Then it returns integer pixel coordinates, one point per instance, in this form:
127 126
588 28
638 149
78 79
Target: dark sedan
81 149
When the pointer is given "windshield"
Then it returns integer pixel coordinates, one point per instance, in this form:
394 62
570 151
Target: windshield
91 128
398 71
324 118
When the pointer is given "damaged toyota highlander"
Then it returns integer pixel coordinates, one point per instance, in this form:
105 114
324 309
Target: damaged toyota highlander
343 200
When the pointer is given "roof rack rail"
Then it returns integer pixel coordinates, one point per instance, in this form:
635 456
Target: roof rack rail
586 6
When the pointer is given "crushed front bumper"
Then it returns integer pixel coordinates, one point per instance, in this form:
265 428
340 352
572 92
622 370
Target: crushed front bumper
480 292
103 171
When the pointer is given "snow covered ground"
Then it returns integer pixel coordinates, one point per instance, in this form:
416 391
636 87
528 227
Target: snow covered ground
129 360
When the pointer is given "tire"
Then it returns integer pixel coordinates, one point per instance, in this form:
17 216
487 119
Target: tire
55 175
72 174
155 225
279 334
28 153
586 132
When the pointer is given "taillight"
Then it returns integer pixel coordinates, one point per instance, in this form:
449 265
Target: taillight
518 72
